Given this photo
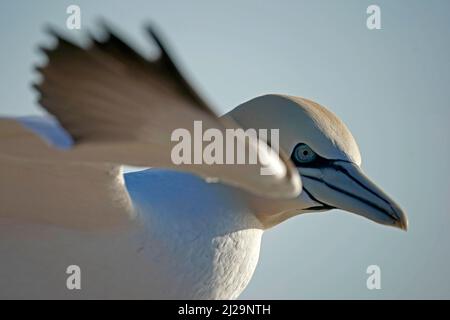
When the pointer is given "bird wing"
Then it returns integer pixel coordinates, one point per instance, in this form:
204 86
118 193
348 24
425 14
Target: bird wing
122 108
42 184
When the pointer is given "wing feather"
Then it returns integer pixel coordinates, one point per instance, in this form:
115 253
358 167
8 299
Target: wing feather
121 108
45 186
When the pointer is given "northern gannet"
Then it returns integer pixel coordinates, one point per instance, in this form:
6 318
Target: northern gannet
156 233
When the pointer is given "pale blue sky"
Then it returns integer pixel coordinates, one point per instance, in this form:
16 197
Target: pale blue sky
390 86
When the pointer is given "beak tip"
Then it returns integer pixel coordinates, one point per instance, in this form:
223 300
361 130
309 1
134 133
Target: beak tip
404 225
402 222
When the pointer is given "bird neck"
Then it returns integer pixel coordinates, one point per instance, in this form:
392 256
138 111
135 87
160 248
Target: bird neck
271 212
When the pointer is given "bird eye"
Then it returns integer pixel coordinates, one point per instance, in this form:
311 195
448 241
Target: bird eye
304 154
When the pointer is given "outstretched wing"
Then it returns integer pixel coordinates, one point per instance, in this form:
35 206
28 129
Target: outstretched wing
122 108
40 184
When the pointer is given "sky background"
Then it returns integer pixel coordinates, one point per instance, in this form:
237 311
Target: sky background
390 86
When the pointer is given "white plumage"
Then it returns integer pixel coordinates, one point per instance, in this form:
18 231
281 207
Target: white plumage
156 233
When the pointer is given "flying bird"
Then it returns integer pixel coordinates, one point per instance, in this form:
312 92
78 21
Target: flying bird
171 231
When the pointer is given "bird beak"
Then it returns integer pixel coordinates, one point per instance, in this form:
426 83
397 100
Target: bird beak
344 186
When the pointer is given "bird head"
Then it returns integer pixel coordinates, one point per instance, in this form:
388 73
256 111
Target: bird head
327 158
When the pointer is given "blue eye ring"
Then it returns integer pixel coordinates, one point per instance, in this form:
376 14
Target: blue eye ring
304 154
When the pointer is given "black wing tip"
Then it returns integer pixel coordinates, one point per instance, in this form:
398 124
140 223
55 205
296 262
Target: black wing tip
36 86
39 68
62 40
51 30
152 29
107 28
104 24
44 50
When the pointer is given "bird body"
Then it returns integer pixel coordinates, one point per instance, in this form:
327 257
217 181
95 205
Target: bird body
207 241
187 239
204 245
